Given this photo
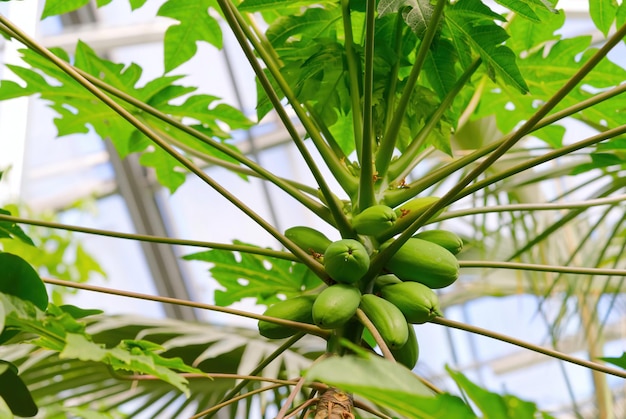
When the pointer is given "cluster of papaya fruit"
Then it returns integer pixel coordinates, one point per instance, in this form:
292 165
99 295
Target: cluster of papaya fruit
399 296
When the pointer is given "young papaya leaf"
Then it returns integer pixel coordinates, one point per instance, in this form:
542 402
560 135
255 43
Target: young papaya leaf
14 392
244 275
389 385
9 230
494 405
18 278
195 24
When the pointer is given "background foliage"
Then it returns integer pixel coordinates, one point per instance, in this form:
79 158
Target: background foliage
466 100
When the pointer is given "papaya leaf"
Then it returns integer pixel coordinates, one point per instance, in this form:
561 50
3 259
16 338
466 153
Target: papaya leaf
59 331
77 346
564 58
416 13
475 23
244 275
439 67
261 5
387 384
79 111
494 405
528 8
620 17
18 278
58 7
195 24
169 172
603 13
14 392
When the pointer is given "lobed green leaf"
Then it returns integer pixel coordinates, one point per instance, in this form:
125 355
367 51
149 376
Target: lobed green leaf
494 405
244 275
195 24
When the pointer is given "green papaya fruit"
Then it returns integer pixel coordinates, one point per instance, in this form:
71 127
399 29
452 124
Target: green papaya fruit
423 261
406 214
308 239
374 220
387 318
409 353
335 305
444 238
298 309
383 280
416 301
346 261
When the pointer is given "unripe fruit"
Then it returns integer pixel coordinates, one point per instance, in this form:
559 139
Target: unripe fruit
335 305
425 262
308 239
409 353
407 213
297 309
387 318
416 301
383 280
374 220
346 261
444 238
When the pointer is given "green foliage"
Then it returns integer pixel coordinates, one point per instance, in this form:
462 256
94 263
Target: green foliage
56 329
603 13
251 276
480 66
19 279
14 391
493 405
79 111
55 253
564 57
471 23
387 384
58 7
195 24
10 229
416 13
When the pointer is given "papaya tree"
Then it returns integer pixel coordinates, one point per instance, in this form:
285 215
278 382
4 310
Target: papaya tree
456 150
